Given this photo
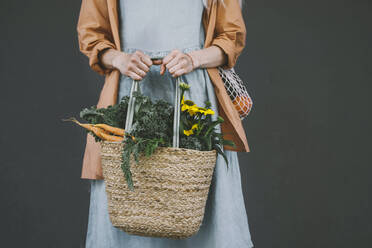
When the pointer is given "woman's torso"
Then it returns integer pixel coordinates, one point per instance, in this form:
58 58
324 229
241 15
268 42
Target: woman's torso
161 25
156 27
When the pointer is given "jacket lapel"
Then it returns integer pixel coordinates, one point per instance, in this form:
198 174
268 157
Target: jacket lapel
209 23
112 6
225 105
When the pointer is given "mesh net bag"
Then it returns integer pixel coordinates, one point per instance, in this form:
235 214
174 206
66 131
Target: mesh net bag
236 90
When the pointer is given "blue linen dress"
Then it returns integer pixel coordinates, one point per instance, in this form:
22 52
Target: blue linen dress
156 27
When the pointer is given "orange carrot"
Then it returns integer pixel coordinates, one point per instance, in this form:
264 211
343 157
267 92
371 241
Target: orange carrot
96 130
112 137
100 132
86 125
111 129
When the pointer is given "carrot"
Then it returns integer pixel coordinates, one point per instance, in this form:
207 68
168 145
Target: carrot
100 132
111 129
112 137
86 125
96 130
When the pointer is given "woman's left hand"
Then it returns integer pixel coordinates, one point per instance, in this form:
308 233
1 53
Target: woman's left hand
177 63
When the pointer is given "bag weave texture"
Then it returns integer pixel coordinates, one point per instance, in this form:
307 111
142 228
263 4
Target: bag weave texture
170 190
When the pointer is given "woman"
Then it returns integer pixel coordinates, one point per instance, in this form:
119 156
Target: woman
155 41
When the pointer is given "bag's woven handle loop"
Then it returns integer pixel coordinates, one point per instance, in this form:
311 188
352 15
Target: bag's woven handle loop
176 119
130 110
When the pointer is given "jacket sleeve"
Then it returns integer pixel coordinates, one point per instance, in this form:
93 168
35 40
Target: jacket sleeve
94 32
230 31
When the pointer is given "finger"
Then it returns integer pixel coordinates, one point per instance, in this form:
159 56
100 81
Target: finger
134 76
166 60
162 69
170 56
133 67
142 66
173 62
139 72
181 64
144 57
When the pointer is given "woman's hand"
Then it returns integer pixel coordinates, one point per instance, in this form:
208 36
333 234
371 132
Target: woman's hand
135 65
177 63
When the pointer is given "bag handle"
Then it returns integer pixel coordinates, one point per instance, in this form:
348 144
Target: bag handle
176 119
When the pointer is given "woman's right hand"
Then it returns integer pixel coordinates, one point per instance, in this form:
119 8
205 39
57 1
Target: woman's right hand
135 65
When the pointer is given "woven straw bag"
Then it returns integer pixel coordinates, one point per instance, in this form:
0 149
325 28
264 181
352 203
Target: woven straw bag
170 187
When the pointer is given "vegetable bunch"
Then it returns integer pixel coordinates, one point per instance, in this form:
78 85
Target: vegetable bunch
153 127
198 128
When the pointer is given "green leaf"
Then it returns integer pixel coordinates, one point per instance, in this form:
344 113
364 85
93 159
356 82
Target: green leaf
219 151
125 166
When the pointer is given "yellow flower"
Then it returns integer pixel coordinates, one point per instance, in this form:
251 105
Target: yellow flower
185 107
188 132
186 104
201 110
191 131
189 105
193 110
209 112
206 111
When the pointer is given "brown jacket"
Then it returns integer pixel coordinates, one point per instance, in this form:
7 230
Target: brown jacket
98 29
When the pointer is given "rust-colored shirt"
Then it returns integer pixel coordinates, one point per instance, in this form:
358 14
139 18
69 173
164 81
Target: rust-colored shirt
98 29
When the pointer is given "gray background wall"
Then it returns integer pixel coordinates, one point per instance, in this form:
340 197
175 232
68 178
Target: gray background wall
306 183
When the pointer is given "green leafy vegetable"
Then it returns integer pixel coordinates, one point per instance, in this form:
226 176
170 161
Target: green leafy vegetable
153 127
